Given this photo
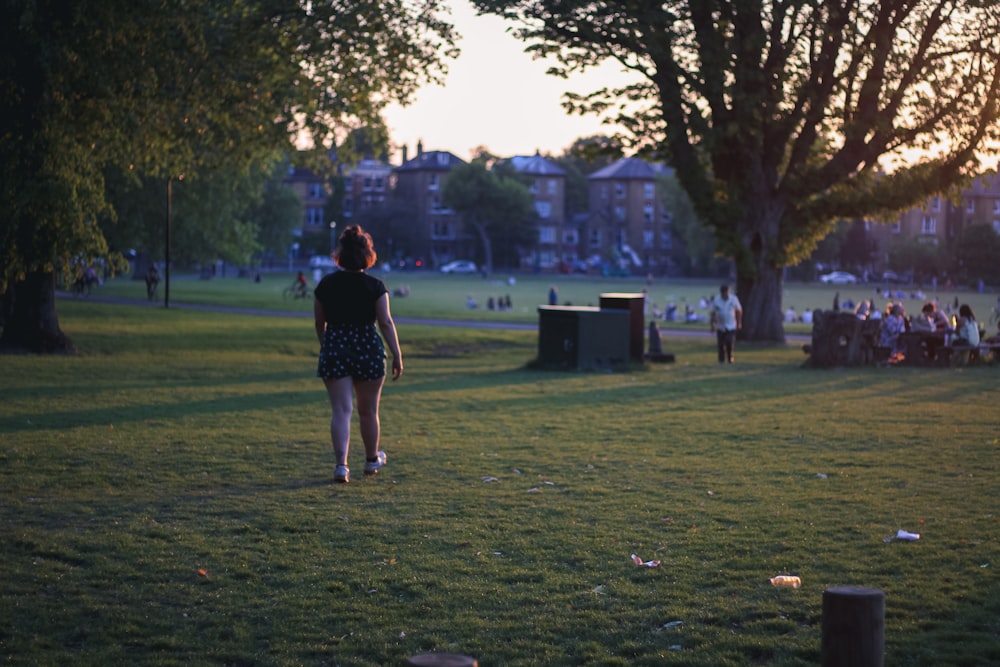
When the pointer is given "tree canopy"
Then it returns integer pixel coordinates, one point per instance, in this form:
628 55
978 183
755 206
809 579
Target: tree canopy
784 116
161 90
493 203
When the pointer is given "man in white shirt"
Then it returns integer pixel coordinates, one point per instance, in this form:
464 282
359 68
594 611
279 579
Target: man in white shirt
727 319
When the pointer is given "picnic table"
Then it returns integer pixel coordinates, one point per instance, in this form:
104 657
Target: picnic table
924 348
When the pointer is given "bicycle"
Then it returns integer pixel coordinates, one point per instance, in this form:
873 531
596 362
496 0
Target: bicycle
295 292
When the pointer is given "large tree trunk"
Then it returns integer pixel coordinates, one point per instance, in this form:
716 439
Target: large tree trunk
487 247
31 324
763 320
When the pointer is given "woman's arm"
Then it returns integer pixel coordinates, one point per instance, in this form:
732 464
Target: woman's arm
388 328
319 319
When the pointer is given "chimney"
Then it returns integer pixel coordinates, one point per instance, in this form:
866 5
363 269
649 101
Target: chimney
420 147
405 151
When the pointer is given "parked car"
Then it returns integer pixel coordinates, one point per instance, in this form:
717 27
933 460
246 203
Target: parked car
894 278
838 278
321 262
459 266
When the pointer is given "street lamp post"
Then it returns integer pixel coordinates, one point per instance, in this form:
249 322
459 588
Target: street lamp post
333 236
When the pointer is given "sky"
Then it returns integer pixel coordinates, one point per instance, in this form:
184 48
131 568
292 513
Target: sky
496 96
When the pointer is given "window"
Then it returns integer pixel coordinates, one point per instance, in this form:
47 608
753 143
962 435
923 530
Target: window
647 213
546 234
594 240
534 189
647 238
996 226
666 241
435 203
996 206
433 182
314 216
367 183
315 190
620 190
928 225
970 206
379 183
619 213
649 190
895 227
604 191
936 204
553 186
570 237
441 230
544 209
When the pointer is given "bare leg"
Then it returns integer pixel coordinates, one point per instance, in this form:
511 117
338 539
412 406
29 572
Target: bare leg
341 408
369 392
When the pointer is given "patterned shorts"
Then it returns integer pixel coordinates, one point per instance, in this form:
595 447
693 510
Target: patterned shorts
351 350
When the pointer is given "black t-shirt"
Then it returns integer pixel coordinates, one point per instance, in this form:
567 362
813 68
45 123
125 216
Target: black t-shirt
349 297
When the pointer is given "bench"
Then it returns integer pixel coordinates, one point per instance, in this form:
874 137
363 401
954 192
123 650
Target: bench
964 355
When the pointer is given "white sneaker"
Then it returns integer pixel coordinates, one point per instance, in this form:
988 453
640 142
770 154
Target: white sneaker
342 474
372 467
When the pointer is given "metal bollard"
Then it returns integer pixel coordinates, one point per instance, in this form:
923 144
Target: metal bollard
853 627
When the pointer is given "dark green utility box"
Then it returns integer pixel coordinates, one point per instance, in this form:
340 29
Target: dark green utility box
583 338
635 306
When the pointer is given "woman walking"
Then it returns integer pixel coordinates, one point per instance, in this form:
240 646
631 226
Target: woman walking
348 304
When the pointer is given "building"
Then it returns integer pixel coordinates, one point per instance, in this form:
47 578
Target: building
367 185
939 221
558 238
627 218
420 182
312 190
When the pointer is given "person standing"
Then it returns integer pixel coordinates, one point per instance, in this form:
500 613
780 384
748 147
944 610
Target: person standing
727 319
152 280
347 305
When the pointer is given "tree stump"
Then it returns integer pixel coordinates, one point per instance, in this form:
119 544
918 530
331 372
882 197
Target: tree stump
441 660
853 627
841 339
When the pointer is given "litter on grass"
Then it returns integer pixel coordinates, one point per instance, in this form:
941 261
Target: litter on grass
641 563
671 625
489 479
903 535
788 580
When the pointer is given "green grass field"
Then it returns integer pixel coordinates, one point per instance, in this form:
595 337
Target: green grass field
437 296
167 500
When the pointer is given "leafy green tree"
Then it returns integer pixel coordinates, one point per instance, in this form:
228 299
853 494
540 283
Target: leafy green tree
857 250
277 215
695 244
493 204
219 215
391 225
921 259
165 91
777 114
976 252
